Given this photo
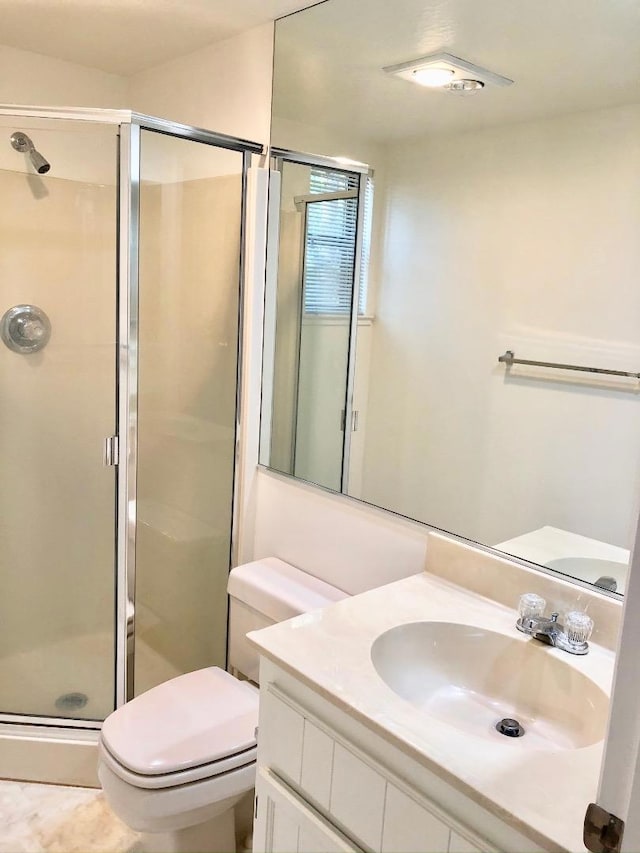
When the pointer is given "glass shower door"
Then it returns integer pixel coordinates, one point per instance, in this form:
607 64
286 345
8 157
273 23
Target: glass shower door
57 405
189 286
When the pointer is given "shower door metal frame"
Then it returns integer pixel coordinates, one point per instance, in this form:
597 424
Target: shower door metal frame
127 292
127 406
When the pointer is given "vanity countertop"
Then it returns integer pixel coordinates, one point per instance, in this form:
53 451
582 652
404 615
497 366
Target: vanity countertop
543 792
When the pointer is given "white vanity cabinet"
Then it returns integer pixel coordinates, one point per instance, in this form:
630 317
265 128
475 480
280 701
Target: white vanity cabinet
318 791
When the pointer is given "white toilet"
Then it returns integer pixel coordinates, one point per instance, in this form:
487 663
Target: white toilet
175 761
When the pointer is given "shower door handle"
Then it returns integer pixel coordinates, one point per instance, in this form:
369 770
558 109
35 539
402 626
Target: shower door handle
110 451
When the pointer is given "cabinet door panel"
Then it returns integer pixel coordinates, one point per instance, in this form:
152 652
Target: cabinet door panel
317 764
284 832
316 839
275 828
281 733
286 824
410 828
458 844
357 797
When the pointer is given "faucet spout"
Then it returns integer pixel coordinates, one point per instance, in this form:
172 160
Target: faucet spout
546 630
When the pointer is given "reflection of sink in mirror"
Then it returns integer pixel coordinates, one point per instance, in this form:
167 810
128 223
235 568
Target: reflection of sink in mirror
573 555
470 678
593 570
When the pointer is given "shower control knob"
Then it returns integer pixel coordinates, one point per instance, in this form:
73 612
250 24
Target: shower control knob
25 328
31 330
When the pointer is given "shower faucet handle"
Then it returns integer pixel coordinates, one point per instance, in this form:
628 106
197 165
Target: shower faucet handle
30 329
25 328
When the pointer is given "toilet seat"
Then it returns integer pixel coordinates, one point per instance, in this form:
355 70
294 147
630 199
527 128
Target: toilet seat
196 726
178 777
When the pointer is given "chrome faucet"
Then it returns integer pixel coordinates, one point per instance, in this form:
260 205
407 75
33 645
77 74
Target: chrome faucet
571 637
541 628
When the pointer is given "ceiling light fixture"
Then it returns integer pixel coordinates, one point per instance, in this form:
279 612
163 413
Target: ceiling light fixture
433 77
466 86
447 72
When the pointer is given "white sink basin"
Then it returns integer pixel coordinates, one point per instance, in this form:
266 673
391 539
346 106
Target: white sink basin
471 678
591 569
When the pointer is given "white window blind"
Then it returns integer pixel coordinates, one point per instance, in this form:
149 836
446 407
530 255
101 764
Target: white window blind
330 246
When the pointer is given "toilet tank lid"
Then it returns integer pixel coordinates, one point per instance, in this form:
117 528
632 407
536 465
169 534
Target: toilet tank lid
279 590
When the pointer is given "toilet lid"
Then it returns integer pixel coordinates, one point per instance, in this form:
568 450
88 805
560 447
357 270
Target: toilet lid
198 718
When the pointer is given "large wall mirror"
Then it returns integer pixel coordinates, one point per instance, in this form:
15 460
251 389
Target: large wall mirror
454 229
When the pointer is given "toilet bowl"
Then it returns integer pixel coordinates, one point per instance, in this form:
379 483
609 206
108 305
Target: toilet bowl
175 761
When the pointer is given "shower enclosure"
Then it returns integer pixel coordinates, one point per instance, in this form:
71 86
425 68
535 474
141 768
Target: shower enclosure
120 299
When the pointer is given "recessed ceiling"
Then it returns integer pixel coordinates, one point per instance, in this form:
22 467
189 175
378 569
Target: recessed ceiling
564 57
126 36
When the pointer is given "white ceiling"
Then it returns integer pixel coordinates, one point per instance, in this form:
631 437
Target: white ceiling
564 56
126 36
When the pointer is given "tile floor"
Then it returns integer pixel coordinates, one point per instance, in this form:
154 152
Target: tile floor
57 819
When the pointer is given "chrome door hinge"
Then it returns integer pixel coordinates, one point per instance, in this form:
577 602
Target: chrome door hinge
354 420
603 831
111 454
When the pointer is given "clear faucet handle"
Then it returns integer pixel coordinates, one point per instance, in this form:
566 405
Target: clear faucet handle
578 626
531 605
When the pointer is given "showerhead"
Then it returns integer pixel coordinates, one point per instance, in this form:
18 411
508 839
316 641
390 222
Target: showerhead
21 142
41 165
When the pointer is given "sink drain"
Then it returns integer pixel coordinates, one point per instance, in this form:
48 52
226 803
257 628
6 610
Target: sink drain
71 701
509 727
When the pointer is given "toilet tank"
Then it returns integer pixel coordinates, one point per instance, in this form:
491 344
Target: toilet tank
265 592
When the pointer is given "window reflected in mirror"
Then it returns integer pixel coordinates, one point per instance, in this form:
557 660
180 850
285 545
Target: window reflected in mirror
322 254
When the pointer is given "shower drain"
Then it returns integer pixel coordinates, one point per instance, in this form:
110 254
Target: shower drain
71 701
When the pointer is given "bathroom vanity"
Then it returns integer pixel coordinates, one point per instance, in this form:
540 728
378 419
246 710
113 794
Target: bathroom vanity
377 727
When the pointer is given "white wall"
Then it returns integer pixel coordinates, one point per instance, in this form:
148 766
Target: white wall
32 79
521 237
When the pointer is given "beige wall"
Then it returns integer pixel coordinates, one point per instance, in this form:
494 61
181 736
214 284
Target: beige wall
224 87
30 78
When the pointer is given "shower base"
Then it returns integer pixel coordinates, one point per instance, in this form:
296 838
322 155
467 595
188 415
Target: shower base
30 684
53 681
